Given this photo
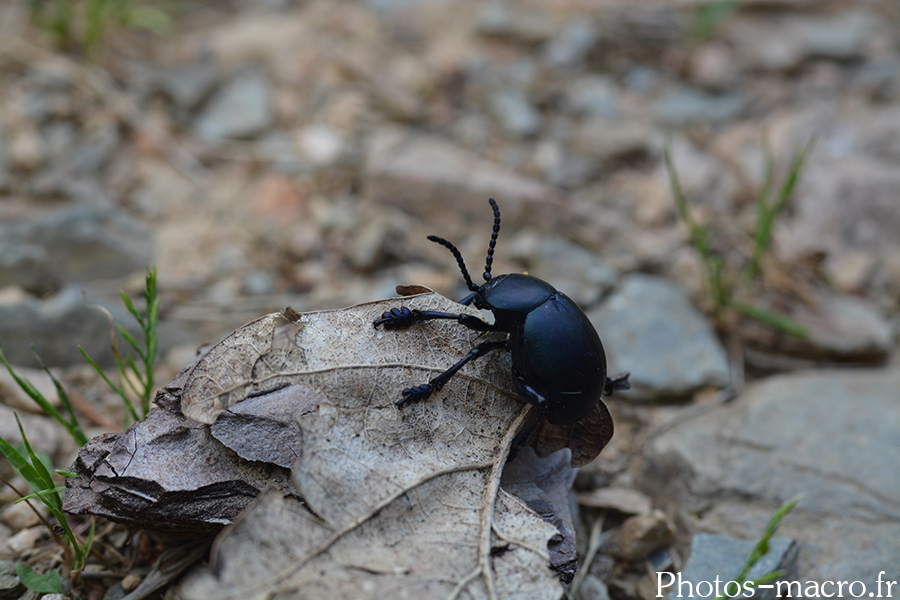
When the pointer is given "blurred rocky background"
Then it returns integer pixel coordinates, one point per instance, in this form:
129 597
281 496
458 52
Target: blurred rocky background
283 153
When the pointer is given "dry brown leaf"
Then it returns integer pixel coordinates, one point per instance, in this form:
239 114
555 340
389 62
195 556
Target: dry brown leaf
403 503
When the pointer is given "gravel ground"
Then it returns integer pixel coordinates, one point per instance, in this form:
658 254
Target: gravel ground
299 153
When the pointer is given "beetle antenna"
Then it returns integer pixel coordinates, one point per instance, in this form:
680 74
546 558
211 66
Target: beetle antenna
459 260
496 232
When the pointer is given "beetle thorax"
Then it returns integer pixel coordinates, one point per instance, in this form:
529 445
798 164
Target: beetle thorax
511 297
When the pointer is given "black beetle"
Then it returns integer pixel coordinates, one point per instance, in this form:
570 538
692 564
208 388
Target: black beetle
558 362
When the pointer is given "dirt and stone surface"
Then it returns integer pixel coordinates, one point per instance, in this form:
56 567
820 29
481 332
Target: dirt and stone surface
297 154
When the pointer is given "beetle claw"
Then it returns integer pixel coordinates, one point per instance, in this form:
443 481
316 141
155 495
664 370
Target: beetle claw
415 394
617 383
396 318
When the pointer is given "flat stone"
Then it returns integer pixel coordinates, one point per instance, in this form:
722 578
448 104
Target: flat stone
19 516
6 178
593 94
687 105
56 326
846 198
509 20
650 328
640 536
28 266
719 556
242 109
10 586
849 202
75 244
624 500
572 44
188 85
571 268
515 113
592 588
606 138
848 328
831 436
762 42
401 168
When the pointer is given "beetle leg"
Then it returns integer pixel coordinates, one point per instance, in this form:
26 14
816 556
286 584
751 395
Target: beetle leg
616 383
524 434
400 318
530 395
424 391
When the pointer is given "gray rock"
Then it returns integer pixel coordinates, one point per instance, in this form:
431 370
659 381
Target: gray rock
762 42
29 267
58 140
242 109
322 144
688 105
498 18
575 270
650 328
592 588
57 326
879 79
850 202
841 37
561 168
846 328
607 138
188 85
642 79
10 586
5 161
258 283
95 147
640 536
571 46
515 113
832 436
75 244
285 154
593 95
846 199
402 168
719 556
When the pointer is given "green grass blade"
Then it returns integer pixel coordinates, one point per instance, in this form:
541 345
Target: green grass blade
31 391
768 212
129 304
21 464
797 162
770 317
40 494
127 401
131 340
762 547
763 211
89 542
45 479
72 425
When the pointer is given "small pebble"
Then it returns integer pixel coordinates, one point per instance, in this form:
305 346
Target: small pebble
20 515
25 539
